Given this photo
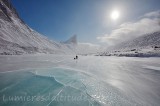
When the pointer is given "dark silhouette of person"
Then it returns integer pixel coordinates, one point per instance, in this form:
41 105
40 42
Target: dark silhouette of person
76 57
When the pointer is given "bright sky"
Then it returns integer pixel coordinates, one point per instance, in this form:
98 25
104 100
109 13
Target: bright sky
91 20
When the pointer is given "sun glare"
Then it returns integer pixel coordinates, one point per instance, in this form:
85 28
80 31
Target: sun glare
115 15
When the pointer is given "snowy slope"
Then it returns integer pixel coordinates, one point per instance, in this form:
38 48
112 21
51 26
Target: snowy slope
18 38
147 40
145 45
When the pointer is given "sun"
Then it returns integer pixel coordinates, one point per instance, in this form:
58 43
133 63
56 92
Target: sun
115 15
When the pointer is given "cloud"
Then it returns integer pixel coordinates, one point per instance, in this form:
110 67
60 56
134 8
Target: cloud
149 23
85 48
153 14
88 44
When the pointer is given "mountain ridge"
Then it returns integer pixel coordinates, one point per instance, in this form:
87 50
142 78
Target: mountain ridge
19 38
145 45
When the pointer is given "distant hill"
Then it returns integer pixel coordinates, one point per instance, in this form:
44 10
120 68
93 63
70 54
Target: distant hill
145 45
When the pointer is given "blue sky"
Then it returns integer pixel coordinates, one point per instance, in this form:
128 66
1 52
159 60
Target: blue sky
88 19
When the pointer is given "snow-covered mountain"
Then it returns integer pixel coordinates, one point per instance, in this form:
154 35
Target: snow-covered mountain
73 40
18 38
145 45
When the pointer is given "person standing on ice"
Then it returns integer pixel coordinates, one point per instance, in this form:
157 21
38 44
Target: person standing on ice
76 57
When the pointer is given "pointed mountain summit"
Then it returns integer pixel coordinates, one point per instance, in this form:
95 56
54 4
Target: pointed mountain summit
72 40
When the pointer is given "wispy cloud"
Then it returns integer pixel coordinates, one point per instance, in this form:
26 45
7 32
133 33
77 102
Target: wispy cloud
148 23
153 14
88 44
88 47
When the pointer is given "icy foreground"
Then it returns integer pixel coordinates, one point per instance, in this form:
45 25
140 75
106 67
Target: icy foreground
57 80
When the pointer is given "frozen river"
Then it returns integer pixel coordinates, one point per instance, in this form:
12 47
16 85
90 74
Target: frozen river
57 80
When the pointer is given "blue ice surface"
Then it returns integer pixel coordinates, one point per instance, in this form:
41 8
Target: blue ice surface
57 87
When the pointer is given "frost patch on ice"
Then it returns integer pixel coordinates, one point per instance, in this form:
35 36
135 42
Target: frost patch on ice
152 68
